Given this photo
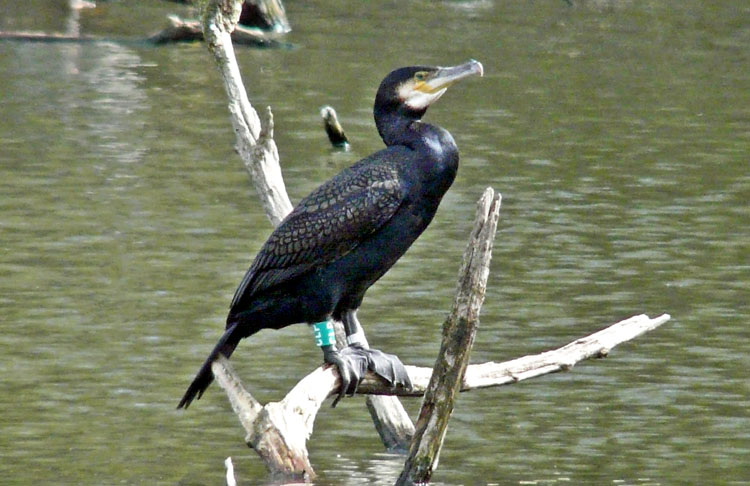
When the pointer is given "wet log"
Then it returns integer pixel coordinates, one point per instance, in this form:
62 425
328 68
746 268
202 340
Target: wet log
181 30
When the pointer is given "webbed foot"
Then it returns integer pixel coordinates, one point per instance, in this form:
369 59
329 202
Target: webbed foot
350 367
354 361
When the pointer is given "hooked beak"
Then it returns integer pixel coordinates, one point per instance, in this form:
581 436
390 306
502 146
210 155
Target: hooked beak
444 77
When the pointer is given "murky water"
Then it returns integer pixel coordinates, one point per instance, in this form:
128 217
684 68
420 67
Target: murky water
617 132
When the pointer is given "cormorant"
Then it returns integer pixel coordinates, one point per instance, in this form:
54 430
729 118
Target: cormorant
319 262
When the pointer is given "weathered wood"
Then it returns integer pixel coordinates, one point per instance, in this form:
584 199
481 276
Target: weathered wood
181 30
459 331
291 420
231 481
391 421
243 403
490 374
254 143
279 430
388 414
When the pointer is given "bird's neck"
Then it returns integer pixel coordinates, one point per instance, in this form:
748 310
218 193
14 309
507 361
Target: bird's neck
397 129
438 160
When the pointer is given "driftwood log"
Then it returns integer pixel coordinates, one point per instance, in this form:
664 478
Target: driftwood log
261 23
182 30
278 431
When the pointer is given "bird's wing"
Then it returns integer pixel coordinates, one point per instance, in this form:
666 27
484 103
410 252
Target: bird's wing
325 225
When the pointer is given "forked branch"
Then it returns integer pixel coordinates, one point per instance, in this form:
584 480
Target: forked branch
278 431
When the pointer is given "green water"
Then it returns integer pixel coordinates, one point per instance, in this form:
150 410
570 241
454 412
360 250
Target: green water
617 132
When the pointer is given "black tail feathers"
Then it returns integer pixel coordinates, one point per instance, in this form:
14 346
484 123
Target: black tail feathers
205 376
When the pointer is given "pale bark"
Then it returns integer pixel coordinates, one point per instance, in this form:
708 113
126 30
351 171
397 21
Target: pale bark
254 143
292 419
278 431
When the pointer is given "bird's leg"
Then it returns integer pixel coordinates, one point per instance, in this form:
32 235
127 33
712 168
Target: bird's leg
351 367
386 366
353 330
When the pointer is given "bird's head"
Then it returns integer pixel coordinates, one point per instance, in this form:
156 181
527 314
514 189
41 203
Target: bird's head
411 90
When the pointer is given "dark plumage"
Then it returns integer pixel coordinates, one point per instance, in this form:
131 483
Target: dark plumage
339 240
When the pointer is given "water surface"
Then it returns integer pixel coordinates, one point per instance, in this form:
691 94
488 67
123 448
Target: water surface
617 132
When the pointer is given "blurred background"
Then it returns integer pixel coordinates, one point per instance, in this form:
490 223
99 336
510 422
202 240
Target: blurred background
618 133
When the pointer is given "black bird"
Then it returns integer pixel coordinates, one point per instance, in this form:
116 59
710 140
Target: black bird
338 241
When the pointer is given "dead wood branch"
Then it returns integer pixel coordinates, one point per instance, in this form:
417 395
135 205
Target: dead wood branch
291 420
459 331
278 431
181 30
597 345
490 374
254 143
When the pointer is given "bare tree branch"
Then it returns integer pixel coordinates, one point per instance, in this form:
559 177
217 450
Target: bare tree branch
255 143
291 419
597 345
279 431
459 332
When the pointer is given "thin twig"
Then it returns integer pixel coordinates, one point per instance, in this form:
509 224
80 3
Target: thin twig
231 481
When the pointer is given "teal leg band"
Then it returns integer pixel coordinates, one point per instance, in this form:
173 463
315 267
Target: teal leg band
324 333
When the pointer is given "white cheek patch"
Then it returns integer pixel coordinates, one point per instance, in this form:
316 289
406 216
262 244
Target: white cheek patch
419 100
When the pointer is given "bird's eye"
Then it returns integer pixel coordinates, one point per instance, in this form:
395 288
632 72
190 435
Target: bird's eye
420 76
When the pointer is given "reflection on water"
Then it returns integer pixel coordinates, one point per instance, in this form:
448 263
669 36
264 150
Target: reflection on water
616 131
